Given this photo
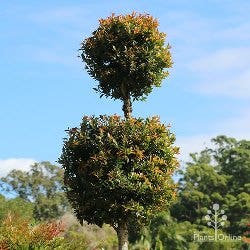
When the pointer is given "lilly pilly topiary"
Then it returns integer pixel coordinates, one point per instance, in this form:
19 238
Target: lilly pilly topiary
127 55
118 170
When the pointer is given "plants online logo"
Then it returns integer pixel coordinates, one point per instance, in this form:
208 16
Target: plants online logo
215 218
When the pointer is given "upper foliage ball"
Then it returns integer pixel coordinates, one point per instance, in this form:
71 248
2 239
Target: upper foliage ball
127 56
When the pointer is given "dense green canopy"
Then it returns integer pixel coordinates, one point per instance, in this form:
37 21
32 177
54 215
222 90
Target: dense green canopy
117 169
127 55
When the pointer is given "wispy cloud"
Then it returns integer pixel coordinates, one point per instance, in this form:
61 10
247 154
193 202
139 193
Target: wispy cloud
237 86
68 24
222 60
225 73
192 144
14 163
237 127
236 33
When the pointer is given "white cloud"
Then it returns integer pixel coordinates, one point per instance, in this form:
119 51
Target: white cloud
222 60
15 163
237 127
237 86
238 33
225 73
192 144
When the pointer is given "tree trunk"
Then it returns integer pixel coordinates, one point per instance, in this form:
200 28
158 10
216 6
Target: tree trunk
127 107
122 233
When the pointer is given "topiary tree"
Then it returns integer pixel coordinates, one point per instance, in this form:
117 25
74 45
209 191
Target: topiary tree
118 170
127 56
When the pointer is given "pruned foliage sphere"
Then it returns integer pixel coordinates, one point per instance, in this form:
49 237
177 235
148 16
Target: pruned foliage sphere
127 56
118 169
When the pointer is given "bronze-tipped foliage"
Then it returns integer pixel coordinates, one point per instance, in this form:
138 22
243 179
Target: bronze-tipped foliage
117 170
127 55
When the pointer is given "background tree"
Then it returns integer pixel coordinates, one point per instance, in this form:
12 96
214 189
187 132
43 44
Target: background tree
233 159
119 170
218 175
16 206
200 186
127 56
42 186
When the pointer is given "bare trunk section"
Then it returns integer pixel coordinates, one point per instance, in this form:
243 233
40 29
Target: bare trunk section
122 233
127 107
127 104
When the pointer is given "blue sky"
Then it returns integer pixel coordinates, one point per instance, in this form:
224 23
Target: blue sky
45 89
